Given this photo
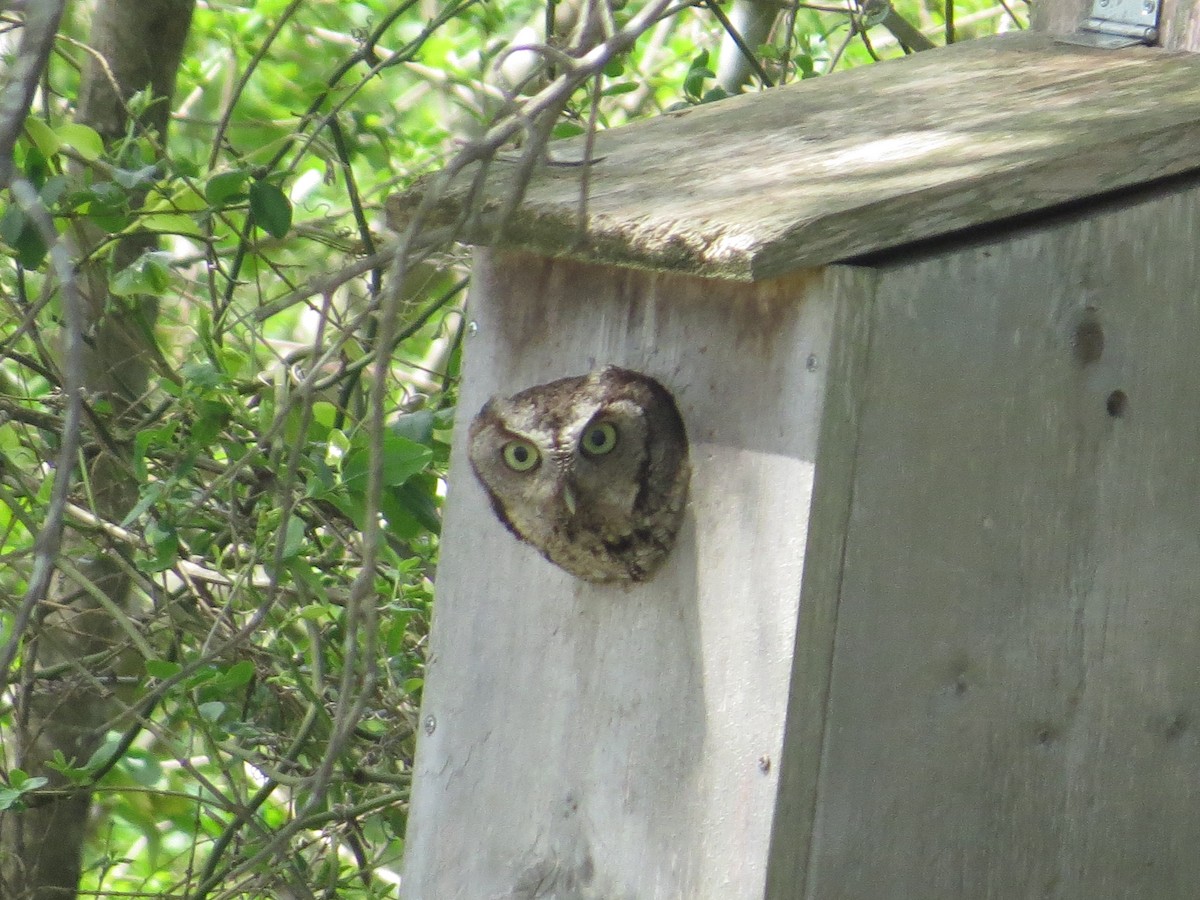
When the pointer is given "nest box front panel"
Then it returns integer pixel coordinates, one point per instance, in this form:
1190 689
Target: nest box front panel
601 717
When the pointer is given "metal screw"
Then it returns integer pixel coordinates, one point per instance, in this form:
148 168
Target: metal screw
811 362
430 724
1148 6
472 328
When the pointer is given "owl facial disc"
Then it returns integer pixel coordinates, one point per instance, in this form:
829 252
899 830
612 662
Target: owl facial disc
591 470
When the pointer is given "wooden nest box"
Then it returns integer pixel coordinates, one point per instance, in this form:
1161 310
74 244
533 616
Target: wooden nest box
930 627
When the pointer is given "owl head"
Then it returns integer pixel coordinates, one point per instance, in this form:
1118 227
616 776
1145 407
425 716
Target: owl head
591 470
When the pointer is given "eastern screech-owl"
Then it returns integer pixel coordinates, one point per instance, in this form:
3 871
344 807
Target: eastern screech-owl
591 470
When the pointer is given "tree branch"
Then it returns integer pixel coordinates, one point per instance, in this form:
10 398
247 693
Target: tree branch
41 24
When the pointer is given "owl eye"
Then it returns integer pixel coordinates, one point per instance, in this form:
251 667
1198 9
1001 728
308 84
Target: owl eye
519 455
599 439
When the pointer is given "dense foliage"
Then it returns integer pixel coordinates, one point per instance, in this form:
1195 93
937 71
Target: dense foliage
270 721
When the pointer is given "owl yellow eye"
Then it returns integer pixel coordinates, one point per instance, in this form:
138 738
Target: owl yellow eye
520 456
599 438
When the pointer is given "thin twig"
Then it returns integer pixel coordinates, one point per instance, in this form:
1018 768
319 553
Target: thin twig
49 537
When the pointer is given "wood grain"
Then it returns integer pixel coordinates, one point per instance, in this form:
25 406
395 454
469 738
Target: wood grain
853 290
588 741
856 162
1015 692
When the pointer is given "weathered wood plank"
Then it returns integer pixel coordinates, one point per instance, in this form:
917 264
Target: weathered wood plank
830 168
1014 699
588 741
791 833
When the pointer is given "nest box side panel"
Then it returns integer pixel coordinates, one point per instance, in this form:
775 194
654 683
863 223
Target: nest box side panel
621 743
1015 694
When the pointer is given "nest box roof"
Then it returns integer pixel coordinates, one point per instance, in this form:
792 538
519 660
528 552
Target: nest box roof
861 161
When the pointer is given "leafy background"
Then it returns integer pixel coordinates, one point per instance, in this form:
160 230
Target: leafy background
265 732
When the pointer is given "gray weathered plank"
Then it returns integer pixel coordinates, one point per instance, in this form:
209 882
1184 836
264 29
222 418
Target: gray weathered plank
1014 700
759 185
853 291
589 741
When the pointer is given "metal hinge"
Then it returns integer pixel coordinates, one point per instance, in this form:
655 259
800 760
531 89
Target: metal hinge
1118 23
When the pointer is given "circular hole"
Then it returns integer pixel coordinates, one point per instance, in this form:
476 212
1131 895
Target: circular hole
1116 404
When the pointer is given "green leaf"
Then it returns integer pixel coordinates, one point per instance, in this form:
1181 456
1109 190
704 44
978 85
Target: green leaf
271 208
153 493
418 498
213 416
66 768
238 675
202 373
19 779
416 426
211 711
202 677
162 668
106 204
147 438
402 459
186 199
170 223
394 631
399 518
164 546
324 413
103 755
10 798
693 82
621 87
143 767
83 140
53 189
567 129
148 274
141 177
37 169
352 507
47 142
12 223
19 233
293 541
226 186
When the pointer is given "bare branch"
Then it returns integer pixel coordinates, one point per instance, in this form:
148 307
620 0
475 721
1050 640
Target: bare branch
16 96
50 536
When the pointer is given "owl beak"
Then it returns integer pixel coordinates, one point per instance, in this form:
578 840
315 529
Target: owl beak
568 497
